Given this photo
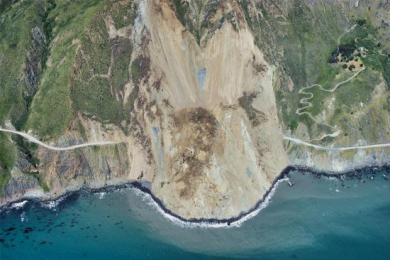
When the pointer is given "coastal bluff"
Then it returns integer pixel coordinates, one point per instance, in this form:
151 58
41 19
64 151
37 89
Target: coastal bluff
198 98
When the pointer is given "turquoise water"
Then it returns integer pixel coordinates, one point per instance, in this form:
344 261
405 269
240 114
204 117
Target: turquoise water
316 218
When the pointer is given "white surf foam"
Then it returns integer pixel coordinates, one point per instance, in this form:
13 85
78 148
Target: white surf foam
147 198
52 204
101 195
19 205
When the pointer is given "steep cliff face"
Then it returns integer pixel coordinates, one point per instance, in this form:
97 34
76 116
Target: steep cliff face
202 96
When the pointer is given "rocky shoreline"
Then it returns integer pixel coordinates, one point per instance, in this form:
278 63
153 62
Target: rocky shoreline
209 116
213 222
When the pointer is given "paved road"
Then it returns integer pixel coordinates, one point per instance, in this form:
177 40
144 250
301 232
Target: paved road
318 147
68 148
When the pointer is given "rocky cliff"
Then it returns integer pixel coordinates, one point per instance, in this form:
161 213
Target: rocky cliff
202 97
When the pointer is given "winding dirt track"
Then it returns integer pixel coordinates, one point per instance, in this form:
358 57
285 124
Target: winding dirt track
54 148
305 101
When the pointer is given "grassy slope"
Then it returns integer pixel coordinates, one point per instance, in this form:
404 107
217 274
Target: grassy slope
51 110
92 94
301 38
16 23
7 159
69 26
68 85
307 37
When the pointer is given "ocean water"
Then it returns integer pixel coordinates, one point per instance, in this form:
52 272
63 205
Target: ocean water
316 218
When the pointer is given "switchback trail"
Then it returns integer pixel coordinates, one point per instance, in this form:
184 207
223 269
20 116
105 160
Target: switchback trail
306 101
54 148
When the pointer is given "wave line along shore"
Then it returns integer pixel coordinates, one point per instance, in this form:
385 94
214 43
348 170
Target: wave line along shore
204 222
